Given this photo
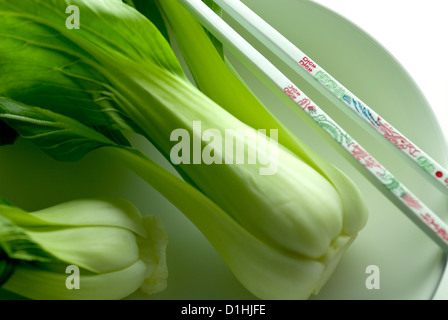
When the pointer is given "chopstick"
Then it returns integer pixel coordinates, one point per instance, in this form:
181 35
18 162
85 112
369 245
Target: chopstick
323 81
401 196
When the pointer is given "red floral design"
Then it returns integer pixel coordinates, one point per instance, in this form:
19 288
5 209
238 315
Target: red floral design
412 202
396 138
362 155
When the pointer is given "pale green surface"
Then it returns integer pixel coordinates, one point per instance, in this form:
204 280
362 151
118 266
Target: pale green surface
410 264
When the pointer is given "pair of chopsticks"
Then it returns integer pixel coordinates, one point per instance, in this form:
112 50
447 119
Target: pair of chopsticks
399 194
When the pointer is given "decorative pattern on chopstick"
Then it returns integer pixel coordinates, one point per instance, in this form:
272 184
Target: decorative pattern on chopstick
369 162
295 58
382 126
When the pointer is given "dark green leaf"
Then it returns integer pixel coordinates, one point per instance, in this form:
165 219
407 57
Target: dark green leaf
5 202
7 134
6 267
150 10
218 45
59 136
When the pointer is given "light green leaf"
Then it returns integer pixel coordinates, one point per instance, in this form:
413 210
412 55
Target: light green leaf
93 212
40 284
90 247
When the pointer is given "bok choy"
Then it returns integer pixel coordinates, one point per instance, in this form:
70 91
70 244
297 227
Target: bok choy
114 249
73 91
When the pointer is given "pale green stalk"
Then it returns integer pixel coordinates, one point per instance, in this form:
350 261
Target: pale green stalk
216 79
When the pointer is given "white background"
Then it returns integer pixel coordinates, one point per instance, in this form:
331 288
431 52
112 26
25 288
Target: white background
415 33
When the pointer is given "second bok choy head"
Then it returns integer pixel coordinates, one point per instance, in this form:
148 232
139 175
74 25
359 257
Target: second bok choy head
87 249
279 215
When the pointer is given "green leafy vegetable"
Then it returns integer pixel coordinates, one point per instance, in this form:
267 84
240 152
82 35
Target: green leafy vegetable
215 79
282 234
116 250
